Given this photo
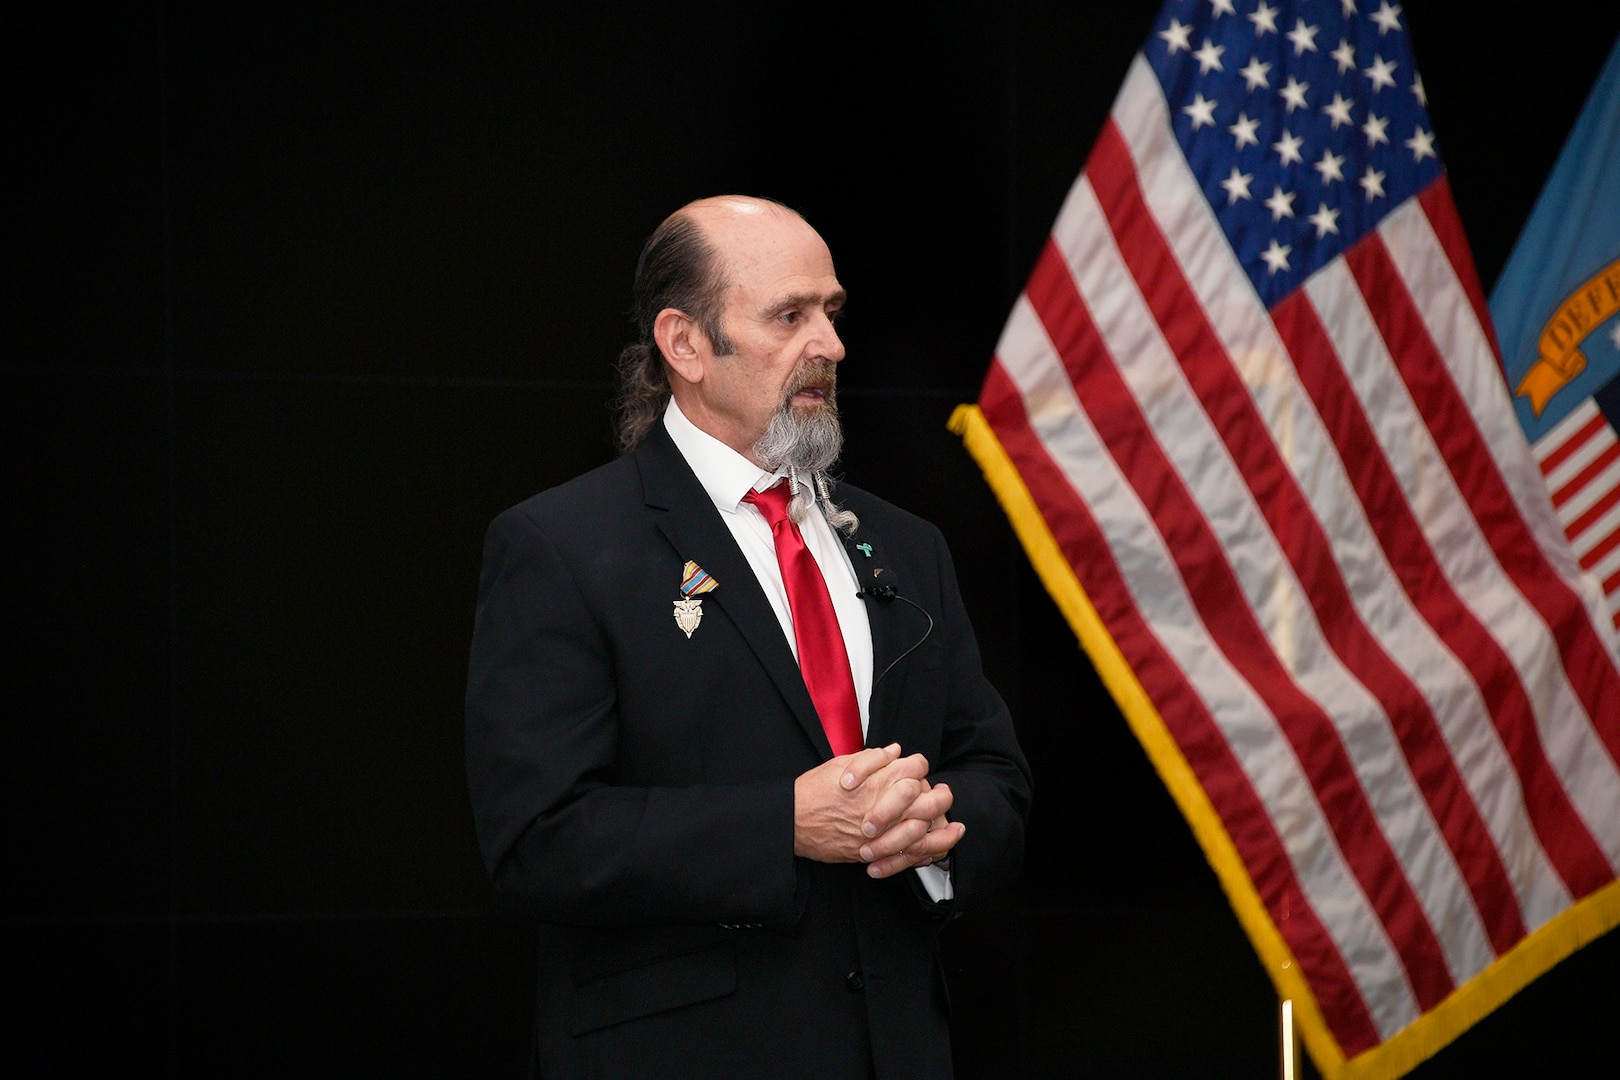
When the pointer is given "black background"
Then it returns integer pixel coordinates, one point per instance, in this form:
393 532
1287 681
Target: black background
302 295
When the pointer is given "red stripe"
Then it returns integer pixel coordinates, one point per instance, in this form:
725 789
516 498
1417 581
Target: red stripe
1241 811
1224 610
1573 443
1593 512
1586 475
1603 547
1298 531
1569 845
1611 583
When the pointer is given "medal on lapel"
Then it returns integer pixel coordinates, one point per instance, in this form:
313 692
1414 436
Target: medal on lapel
695 581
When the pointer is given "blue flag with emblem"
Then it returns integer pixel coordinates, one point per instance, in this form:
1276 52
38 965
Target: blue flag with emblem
1556 308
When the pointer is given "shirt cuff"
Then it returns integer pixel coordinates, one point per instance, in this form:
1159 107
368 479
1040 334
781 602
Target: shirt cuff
937 883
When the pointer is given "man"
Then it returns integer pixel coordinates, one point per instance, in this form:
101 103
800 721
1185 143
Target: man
740 818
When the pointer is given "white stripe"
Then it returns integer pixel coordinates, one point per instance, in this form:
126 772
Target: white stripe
1268 583
1150 575
1247 333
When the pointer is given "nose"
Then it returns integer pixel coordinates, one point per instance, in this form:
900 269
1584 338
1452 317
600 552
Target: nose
827 345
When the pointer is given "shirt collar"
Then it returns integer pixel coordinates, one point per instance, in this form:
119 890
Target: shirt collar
725 474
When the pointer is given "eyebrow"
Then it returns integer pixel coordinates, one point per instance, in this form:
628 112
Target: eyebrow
838 296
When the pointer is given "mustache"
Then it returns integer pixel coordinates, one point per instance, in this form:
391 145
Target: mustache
823 374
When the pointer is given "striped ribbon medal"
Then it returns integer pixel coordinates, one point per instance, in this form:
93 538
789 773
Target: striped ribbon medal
695 581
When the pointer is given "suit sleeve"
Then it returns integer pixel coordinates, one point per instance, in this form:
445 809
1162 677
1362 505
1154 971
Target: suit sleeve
980 759
562 841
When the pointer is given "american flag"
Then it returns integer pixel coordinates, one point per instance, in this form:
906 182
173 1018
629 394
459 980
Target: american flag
1247 419
1580 457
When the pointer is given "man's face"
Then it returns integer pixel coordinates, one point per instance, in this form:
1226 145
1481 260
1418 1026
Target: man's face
780 302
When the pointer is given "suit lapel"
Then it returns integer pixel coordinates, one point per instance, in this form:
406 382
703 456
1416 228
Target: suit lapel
689 521
894 623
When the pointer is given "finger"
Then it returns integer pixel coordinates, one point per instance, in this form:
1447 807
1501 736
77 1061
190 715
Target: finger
932 847
907 834
930 804
862 764
913 766
891 806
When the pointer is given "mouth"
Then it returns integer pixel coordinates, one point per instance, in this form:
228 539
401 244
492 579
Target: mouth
816 385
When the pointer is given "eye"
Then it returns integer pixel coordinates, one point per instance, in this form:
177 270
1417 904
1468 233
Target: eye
792 317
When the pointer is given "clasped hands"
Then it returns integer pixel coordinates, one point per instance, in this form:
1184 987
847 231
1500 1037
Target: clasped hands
876 807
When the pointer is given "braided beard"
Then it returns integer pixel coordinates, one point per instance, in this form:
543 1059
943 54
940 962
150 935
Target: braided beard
808 438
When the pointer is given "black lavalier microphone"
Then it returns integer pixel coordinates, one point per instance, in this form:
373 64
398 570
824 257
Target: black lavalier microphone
885 594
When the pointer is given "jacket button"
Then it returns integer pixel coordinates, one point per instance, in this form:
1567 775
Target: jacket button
855 980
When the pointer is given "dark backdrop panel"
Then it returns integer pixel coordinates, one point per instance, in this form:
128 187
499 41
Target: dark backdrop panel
304 294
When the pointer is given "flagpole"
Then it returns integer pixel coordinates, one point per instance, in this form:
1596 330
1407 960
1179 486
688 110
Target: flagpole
1290 1042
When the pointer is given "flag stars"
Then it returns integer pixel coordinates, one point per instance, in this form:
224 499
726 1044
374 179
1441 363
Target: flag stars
1255 74
1418 91
1264 18
1382 73
1222 7
1325 220
1303 37
1374 130
1372 182
1345 54
1348 7
1177 37
1287 149
1421 144
1209 57
1293 93
1331 167
1244 131
1388 17
1276 256
1202 111
1338 110
1281 204
1237 186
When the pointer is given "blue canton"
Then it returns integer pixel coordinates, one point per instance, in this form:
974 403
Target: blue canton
1304 123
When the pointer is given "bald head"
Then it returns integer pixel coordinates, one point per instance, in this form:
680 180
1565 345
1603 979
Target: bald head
721 213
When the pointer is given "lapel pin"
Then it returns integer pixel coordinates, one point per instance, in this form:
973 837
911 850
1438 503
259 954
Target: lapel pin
695 581
864 549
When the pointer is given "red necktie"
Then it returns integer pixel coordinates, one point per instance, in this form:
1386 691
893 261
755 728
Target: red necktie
822 658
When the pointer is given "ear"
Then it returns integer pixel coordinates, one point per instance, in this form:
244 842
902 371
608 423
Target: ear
684 345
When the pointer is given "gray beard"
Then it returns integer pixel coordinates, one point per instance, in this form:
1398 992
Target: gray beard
810 441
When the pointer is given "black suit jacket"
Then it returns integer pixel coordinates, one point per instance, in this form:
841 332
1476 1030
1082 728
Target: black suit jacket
633 788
